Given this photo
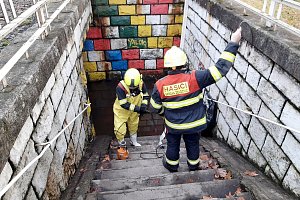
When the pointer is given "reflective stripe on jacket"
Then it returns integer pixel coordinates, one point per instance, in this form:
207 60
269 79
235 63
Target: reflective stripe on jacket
126 100
179 95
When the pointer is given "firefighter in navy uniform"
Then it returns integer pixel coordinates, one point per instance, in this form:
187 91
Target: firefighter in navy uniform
178 97
131 101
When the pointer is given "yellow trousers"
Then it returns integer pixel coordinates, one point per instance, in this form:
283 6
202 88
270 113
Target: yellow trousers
125 118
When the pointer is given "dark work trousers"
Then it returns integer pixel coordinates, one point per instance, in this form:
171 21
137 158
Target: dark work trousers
191 145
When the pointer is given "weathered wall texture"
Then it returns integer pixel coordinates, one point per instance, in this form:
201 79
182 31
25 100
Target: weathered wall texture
265 80
44 94
131 34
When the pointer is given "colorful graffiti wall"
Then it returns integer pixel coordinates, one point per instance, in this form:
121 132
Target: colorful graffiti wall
131 34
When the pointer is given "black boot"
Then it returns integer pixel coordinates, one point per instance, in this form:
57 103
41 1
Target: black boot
169 167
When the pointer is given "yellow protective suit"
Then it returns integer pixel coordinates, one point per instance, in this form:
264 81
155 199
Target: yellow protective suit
127 117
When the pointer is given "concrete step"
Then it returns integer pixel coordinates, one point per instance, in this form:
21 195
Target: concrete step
158 179
148 152
136 172
241 196
197 190
133 163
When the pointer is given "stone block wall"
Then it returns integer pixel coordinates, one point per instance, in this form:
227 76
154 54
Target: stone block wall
131 34
264 80
62 83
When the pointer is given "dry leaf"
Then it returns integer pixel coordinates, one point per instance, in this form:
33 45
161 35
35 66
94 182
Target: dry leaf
207 197
250 173
204 157
106 158
238 191
228 175
220 173
228 196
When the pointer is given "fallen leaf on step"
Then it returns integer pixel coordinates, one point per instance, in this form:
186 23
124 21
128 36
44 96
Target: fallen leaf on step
207 197
238 191
250 173
229 196
220 173
228 175
204 157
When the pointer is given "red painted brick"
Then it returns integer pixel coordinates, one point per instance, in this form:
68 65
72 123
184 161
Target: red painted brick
94 33
176 41
102 44
138 64
160 64
131 54
150 2
165 50
151 72
165 1
159 9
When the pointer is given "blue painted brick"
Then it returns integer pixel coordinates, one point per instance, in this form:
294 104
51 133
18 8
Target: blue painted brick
119 65
113 55
88 45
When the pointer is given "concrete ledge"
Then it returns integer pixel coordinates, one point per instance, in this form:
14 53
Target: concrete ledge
281 46
29 77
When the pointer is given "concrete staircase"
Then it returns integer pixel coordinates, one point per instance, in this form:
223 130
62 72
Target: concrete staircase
143 177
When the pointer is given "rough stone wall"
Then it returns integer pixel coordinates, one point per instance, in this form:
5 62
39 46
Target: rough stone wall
131 34
52 91
264 80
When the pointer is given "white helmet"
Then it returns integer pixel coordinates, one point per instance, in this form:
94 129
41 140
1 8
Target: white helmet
175 57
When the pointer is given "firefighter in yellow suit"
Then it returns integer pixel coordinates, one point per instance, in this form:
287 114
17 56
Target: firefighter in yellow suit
131 101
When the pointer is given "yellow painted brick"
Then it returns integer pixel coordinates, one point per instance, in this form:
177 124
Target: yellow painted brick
90 66
178 19
144 31
127 10
84 56
97 76
111 2
152 42
164 42
136 20
174 30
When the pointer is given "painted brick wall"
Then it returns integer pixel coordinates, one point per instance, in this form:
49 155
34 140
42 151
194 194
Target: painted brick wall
131 34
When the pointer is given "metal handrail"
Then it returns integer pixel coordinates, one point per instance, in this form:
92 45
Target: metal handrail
44 21
271 19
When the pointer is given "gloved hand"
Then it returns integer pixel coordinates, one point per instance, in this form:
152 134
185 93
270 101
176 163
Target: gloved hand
236 36
143 109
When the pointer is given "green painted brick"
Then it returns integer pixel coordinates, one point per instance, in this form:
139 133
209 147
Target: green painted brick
140 43
105 10
120 20
99 2
128 31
